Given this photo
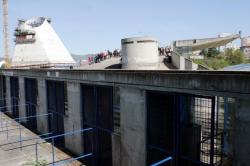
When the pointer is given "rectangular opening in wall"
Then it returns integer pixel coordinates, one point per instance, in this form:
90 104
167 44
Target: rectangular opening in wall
56 106
186 127
31 93
14 96
97 111
160 127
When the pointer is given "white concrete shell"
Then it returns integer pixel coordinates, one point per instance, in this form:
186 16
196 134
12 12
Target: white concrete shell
47 49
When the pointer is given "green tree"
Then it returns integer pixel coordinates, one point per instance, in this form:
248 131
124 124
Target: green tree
212 52
235 57
227 58
204 52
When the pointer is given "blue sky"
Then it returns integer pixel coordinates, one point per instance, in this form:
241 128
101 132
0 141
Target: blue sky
90 26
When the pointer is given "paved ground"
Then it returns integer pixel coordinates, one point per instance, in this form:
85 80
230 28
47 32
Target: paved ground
12 155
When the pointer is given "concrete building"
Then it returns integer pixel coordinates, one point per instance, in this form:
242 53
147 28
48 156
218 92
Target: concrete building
130 117
229 45
2 63
245 46
188 47
38 45
139 117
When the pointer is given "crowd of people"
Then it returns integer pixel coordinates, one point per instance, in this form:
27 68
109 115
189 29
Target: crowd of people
165 51
103 56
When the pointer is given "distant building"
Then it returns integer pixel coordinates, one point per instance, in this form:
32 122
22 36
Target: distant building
38 45
192 47
2 63
229 45
245 46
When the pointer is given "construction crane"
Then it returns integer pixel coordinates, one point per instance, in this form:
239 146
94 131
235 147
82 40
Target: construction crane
6 34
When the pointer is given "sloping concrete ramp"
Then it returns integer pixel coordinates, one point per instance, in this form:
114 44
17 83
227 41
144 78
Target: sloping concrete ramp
11 154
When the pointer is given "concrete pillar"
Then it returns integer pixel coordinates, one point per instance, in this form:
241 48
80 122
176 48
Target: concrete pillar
1 88
241 133
42 122
8 99
116 149
22 108
2 95
133 126
73 118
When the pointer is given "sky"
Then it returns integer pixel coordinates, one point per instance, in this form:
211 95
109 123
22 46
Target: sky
91 26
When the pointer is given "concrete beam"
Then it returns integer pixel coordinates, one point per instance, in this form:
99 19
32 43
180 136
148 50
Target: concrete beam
215 83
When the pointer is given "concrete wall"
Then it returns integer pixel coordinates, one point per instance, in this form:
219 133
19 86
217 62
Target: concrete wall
42 122
73 118
178 61
22 108
133 127
182 63
189 65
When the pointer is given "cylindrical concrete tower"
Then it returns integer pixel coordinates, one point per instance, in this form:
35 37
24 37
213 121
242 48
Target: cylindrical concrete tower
245 42
245 46
140 53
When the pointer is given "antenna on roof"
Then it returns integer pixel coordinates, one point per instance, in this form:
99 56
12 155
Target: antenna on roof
240 33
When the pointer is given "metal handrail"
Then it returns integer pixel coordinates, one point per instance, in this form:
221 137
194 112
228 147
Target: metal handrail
73 159
162 161
53 142
19 120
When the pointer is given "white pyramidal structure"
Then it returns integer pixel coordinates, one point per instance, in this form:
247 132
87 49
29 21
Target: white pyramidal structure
38 45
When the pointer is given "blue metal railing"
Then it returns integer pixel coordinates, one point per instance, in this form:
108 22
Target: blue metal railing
73 159
162 161
18 120
24 119
10 112
53 143
27 139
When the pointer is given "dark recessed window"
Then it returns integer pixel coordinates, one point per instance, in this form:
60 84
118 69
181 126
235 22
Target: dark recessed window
129 42
145 41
